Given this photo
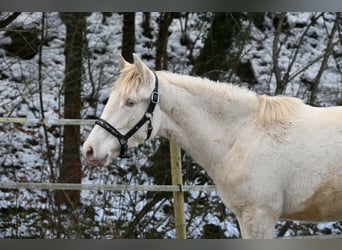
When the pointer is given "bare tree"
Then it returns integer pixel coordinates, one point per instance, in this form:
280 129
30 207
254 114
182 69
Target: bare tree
165 20
41 103
147 30
216 57
128 36
324 63
284 76
281 84
70 170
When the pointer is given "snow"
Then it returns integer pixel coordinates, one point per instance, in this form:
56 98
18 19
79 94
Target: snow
259 52
23 160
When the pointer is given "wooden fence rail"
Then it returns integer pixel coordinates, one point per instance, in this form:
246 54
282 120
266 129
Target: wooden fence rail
107 187
48 122
118 188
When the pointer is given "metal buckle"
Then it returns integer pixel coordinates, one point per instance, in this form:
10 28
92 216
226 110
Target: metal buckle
154 97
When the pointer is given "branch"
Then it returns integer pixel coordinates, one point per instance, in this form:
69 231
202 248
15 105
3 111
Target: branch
324 63
8 20
338 54
313 20
41 103
275 53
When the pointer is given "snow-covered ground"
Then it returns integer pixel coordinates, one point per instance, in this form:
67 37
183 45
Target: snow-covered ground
22 147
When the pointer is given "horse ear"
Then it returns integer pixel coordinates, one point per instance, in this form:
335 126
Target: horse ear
122 63
142 69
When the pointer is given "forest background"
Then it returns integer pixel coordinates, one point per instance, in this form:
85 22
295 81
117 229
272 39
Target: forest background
62 65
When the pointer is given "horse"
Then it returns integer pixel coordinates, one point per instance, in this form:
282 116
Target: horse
270 157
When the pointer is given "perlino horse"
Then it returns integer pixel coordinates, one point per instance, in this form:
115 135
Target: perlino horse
270 157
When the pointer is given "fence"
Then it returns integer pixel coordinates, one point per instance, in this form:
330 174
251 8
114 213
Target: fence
48 122
106 187
177 188
176 168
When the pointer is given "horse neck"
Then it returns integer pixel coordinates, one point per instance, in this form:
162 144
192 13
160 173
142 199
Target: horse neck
204 120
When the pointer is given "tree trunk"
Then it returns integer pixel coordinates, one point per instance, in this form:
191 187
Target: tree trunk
147 30
213 60
281 85
165 20
6 21
128 36
70 171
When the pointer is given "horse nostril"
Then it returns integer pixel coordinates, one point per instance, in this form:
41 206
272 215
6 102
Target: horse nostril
90 153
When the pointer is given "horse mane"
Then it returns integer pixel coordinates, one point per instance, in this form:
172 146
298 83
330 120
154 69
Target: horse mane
204 86
273 109
276 109
127 74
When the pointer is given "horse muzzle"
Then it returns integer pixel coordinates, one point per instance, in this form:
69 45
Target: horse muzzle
93 159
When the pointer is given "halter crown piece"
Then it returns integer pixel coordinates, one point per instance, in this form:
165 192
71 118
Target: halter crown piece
123 139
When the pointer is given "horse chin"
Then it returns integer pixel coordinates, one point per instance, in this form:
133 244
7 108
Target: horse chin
99 163
105 161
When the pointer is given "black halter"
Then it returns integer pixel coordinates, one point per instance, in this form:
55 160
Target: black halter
123 139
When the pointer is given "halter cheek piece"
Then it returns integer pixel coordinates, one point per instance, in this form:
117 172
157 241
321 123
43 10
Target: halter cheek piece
123 139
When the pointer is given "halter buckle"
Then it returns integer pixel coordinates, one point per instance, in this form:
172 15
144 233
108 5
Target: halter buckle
122 140
155 97
123 151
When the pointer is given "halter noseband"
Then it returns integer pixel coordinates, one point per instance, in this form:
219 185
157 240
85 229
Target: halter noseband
123 139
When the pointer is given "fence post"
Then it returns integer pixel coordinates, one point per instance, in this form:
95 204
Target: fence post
178 197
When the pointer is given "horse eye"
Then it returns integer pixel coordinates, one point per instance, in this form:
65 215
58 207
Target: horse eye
130 102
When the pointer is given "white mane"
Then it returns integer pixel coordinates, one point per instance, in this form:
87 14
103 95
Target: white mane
208 89
272 110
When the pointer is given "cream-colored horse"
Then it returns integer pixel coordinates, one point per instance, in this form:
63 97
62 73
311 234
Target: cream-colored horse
270 157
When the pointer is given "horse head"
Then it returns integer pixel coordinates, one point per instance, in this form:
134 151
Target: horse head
129 117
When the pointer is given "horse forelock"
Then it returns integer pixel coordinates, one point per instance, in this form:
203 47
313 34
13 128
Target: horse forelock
128 81
277 109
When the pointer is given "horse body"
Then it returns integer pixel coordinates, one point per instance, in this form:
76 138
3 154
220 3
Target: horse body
270 157
287 169
314 165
